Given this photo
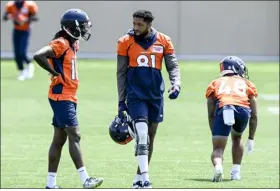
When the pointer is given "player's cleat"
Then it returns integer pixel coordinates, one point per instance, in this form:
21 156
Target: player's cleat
137 184
29 71
21 76
218 175
235 176
55 187
93 182
147 184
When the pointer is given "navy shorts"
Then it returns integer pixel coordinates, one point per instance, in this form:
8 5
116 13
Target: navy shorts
242 116
65 113
149 109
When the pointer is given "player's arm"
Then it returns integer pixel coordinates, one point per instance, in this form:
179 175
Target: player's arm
171 63
32 16
254 117
41 57
172 68
122 66
6 15
211 110
211 102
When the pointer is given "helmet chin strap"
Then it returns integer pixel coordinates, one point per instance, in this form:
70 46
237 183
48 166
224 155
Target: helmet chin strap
68 32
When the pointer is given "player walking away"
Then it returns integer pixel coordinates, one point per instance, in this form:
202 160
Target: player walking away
231 102
141 86
59 59
22 13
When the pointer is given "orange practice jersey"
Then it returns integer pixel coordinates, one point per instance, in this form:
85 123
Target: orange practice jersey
232 90
139 57
28 8
64 63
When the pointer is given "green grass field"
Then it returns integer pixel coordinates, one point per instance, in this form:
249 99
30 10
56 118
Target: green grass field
183 144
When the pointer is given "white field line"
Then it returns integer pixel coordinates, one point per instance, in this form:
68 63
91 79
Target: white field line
270 97
273 110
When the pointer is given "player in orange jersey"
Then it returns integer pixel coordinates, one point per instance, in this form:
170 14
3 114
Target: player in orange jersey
22 13
141 87
231 102
60 60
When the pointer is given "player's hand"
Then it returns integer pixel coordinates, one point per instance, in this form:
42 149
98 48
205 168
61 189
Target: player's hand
58 80
250 146
122 108
174 92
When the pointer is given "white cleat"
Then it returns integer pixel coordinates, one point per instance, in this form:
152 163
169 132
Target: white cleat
218 175
93 182
29 71
21 76
147 185
235 176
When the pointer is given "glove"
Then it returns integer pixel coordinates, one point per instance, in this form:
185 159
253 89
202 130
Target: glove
122 109
174 92
250 146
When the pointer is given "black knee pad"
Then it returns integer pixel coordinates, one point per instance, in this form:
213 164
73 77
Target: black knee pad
142 149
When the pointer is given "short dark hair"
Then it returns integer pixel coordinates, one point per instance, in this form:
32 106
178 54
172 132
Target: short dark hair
147 16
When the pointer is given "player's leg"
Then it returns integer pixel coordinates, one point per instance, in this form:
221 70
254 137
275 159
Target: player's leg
242 117
237 154
29 70
17 55
69 119
59 139
155 117
152 129
220 133
138 111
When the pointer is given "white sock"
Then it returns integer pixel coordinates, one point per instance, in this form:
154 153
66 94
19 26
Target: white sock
51 179
145 176
219 166
83 174
142 131
143 164
236 168
138 177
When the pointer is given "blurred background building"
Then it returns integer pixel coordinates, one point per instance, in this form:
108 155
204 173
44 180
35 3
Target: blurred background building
200 30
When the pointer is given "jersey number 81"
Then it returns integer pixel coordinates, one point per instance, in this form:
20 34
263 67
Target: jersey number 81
143 61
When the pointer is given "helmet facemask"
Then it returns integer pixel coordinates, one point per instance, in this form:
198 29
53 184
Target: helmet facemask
80 30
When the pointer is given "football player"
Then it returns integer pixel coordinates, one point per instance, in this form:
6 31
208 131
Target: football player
231 103
22 13
140 54
60 60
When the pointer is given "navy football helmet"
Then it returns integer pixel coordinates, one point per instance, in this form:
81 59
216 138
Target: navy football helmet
76 24
121 129
232 65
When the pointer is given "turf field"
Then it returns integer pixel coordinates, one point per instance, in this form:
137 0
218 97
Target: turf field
183 144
